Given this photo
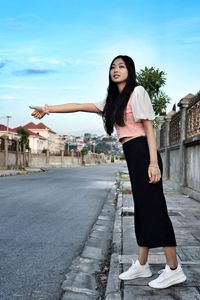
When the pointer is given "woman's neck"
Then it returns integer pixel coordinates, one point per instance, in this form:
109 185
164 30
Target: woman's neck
121 86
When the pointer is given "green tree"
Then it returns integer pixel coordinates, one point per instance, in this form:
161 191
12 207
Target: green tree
23 133
153 80
102 147
84 151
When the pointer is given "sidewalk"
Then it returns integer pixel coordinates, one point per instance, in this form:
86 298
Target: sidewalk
27 170
185 215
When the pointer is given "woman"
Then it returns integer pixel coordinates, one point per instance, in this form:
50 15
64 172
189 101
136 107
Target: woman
128 109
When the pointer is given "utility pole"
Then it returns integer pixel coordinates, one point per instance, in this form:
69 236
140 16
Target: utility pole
8 117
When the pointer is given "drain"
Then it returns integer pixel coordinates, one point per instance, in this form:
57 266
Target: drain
173 213
127 211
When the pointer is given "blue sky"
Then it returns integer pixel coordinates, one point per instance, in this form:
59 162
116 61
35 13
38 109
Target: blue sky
59 51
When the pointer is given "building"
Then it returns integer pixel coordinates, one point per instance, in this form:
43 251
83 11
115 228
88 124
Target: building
36 141
11 133
41 137
52 141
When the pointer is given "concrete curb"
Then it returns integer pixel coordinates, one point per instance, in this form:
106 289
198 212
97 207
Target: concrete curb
4 173
113 283
82 278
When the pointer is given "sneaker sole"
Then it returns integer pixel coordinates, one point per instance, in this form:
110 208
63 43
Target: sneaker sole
180 280
137 276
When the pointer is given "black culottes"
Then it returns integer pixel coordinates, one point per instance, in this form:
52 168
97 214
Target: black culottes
153 227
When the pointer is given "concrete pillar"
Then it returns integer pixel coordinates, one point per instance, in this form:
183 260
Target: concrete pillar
167 158
79 154
29 156
62 157
161 120
17 154
72 156
183 104
6 153
47 157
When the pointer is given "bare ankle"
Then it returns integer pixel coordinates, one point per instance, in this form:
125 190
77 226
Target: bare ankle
142 261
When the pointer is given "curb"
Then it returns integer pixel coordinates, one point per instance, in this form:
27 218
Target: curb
5 173
113 283
88 271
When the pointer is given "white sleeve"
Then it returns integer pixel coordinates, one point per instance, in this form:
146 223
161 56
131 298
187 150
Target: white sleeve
141 105
100 105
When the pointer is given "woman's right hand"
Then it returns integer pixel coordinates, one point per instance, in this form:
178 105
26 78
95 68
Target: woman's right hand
40 111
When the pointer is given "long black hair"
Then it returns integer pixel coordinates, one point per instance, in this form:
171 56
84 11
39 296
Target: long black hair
116 101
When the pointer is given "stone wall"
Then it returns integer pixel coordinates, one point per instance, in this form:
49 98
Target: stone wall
178 138
10 159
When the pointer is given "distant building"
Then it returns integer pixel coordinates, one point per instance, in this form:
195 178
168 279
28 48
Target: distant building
12 134
40 137
36 141
52 141
87 137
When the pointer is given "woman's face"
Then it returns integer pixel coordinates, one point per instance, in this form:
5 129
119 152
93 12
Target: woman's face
118 71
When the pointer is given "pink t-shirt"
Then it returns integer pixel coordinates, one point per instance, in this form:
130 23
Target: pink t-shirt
139 108
131 128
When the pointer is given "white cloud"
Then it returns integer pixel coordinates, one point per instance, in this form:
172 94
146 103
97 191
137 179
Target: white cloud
47 60
37 88
10 97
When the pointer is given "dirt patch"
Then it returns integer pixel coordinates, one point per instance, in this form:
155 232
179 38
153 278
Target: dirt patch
102 276
127 191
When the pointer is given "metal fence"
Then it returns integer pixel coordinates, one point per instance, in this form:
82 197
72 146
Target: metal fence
193 117
175 129
192 124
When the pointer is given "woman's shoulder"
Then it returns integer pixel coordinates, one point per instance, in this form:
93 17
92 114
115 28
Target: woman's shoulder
139 89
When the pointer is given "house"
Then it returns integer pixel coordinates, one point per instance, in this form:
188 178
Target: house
36 141
40 137
11 133
52 141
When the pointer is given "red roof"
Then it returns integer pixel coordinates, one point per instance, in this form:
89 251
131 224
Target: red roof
30 132
32 125
29 127
41 126
4 128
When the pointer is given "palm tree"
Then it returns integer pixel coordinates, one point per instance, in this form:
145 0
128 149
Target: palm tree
23 133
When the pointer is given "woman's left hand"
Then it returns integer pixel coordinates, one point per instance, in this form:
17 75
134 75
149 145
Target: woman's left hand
154 173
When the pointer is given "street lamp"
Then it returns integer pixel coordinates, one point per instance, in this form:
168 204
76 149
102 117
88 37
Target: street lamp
8 117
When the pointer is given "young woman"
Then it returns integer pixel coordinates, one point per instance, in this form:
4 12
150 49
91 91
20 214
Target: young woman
128 108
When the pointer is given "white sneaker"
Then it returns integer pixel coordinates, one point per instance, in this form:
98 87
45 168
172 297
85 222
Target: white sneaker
168 278
136 270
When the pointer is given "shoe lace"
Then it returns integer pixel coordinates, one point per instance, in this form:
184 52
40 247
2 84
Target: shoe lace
161 271
163 274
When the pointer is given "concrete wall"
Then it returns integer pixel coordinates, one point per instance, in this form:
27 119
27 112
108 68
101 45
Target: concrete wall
178 139
37 160
42 160
11 159
23 159
162 154
193 167
1 159
54 161
174 165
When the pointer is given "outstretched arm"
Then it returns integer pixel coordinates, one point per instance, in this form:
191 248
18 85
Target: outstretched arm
40 111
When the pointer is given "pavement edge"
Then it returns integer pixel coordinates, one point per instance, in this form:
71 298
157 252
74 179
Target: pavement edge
102 248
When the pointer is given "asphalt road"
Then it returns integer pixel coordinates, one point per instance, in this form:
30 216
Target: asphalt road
45 219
